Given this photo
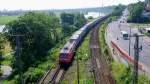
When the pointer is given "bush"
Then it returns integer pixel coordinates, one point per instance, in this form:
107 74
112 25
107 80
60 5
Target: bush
32 75
40 33
118 10
90 17
123 74
71 22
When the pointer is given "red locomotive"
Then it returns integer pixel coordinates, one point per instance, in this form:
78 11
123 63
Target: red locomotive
67 52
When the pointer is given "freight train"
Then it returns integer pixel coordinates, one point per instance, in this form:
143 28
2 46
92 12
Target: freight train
68 51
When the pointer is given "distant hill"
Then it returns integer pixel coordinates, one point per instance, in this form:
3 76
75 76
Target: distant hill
108 9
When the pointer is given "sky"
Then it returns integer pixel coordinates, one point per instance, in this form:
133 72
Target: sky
57 4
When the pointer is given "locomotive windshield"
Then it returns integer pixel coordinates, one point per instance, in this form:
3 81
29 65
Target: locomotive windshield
63 55
66 48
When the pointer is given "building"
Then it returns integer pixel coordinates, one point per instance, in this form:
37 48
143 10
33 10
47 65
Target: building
147 5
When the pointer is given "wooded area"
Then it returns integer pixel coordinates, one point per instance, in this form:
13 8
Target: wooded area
37 33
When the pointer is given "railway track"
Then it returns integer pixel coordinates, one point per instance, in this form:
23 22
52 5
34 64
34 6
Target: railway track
100 67
53 76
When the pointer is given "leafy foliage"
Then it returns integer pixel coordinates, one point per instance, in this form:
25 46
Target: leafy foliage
34 73
105 51
40 33
79 20
123 74
71 22
118 10
67 18
90 17
2 41
136 9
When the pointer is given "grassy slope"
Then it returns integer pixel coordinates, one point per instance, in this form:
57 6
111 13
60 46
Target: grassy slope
104 48
6 19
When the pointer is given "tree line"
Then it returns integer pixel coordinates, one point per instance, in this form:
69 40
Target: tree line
71 22
37 33
136 10
118 10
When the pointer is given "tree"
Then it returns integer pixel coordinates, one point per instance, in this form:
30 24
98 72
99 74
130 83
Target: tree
67 18
71 22
118 10
90 17
40 33
79 20
136 10
2 41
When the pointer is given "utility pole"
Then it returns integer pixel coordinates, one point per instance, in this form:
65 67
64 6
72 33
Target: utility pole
1 47
136 58
78 77
130 41
18 53
18 56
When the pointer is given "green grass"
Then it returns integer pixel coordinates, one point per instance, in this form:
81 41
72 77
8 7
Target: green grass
123 74
104 48
83 53
5 19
